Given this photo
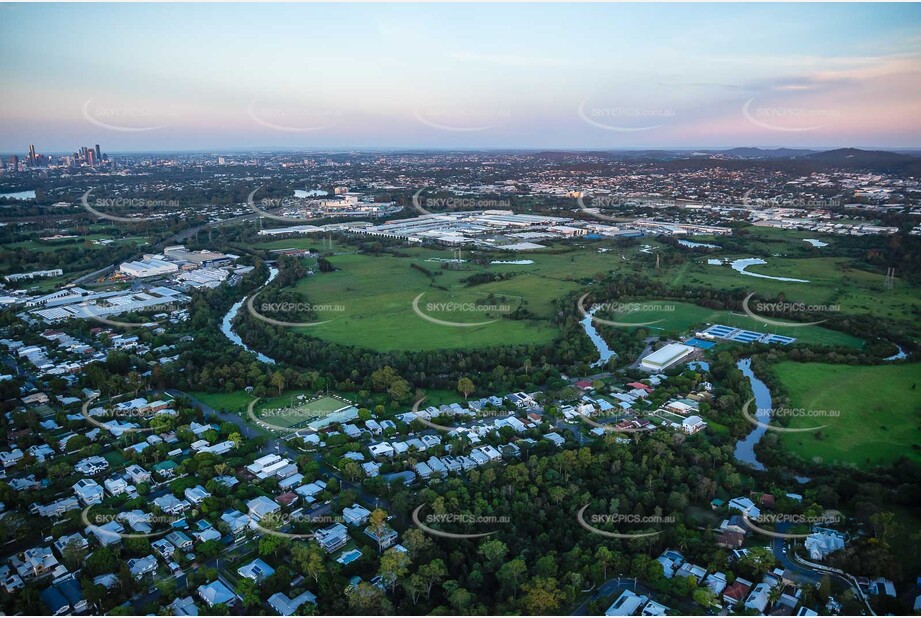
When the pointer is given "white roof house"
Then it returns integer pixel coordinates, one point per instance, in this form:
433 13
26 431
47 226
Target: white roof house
216 593
627 604
381 450
759 597
746 506
693 424
262 506
257 570
286 606
423 470
823 542
140 567
168 503
89 491
332 537
355 515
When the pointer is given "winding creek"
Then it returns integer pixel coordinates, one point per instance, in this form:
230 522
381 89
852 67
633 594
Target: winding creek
898 355
227 323
745 448
604 352
742 264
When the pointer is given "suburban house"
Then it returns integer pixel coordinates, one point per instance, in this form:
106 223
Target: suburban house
89 492
238 522
109 533
823 542
759 597
183 607
119 486
216 593
91 465
716 582
355 515
745 506
76 539
196 494
670 561
64 597
385 537
180 540
257 570
38 561
332 537
139 567
137 474
691 570
11 458
164 548
261 507
168 503
735 592
286 606
627 604
693 424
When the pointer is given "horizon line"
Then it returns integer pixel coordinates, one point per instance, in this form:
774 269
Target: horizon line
472 149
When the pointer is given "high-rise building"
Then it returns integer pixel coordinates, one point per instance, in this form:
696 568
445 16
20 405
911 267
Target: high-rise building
98 153
91 158
32 155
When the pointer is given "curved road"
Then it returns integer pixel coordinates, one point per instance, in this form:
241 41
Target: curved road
804 574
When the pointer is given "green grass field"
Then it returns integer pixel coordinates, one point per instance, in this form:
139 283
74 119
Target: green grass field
831 282
234 402
287 411
687 315
49 246
880 414
376 294
369 299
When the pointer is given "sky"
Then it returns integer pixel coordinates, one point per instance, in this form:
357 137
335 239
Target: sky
135 77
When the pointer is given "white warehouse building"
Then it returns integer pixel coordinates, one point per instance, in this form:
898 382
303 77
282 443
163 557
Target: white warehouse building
666 357
148 267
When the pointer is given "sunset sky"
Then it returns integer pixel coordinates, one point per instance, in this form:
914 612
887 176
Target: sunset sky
599 76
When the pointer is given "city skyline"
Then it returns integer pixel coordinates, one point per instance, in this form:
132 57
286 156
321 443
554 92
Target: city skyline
315 77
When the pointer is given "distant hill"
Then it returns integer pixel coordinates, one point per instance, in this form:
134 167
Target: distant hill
793 160
843 158
768 153
855 157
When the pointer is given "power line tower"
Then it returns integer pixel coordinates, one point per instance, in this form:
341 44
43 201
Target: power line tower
657 261
890 278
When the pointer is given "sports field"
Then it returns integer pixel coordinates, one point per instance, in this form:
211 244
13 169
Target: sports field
880 414
287 411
